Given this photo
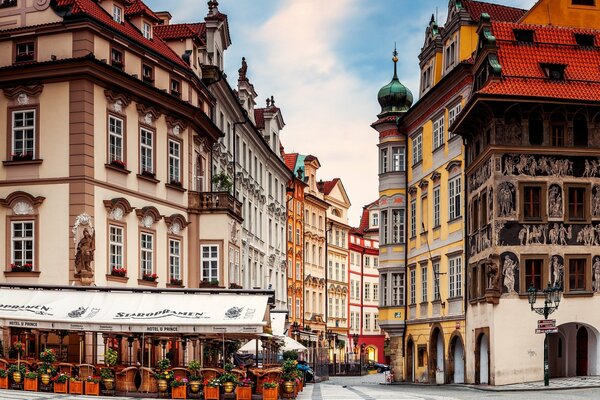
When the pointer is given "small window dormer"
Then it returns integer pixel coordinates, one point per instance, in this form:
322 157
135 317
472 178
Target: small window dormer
585 40
554 71
118 13
523 35
147 30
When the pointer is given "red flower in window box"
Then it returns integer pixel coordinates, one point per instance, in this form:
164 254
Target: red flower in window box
122 272
175 182
16 267
150 277
176 282
118 164
22 157
147 173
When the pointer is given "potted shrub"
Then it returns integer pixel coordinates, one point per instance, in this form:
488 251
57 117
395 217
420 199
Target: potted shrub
244 389
16 267
60 383
3 379
176 282
17 372
92 386
75 385
48 357
221 182
195 377
108 378
178 388
270 390
289 375
31 381
163 375
228 380
211 389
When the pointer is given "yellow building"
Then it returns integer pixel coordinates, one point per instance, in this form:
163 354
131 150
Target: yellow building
429 274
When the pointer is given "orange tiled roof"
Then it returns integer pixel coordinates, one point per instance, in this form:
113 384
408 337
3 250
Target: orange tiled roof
290 160
137 7
76 8
181 31
496 11
522 74
259 118
326 187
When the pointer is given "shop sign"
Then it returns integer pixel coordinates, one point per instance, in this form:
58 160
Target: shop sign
23 324
167 329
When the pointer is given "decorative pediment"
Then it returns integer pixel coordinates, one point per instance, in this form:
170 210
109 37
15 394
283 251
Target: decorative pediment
423 184
435 176
148 216
23 95
175 126
148 114
412 190
118 208
117 101
176 223
453 164
22 203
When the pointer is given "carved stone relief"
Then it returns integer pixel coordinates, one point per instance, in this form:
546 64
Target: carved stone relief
506 199
523 164
596 273
510 272
557 270
555 201
481 175
591 169
596 201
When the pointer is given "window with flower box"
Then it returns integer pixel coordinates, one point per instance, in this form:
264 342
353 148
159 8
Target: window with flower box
175 261
210 262
23 138
146 152
115 140
174 162
22 241
116 241
147 253
25 51
116 58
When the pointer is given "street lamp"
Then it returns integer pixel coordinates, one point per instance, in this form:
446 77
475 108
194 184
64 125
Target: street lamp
551 302
355 341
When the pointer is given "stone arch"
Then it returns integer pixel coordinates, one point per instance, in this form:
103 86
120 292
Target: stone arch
436 354
574 357
482 356
456 358
410 359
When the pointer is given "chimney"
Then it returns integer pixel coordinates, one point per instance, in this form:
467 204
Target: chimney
164 16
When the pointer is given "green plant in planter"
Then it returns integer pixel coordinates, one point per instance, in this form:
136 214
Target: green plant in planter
290 370
3 373
222 182
194 367
163 364
48 356
31 375
111 357
270 385
290 355
14 368
61 378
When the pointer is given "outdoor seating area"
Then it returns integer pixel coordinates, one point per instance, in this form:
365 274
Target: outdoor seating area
160 360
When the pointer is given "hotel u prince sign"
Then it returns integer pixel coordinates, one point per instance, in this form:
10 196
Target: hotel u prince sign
95 311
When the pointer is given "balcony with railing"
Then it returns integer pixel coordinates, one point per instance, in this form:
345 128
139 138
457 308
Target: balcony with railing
215 202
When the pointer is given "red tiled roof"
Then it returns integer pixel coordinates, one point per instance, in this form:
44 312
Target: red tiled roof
522 74
364 218
326 187
137 7
181 31
497 12
93 10
290 160
259 118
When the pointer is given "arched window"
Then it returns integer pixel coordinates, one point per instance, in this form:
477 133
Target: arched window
536 129
580 131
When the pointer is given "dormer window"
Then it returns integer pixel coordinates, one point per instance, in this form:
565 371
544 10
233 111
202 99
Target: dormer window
523 35
118 14
116 58
554 71
583 2
147 73
25 52
175 88
585 40
147 30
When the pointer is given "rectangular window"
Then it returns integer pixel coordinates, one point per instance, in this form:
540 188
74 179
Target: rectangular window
452 114
25 52
455 276
147 30
22 242
175 259
367 291
210 262
174 162
384 227
116 58
175 88
147 73
376 322
398 289
413 218
147 253
117 14
577 203
534 274
413 286
367 321
436 206
583 2
417 149
532 203
375 292
115 247
298 271
398 225
115 139
438 133
424 273
436 280
384 161
384 290
454 189
577 274
146 152
397 159
297 308
23 135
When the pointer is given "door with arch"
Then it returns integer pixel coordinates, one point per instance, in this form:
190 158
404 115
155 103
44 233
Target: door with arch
410 361
483 360
457 360
581 352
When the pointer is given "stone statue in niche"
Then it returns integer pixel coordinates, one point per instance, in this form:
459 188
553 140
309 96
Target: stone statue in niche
498 225
490 201
493 273
508 270
85 252
509 165
555 202
596 201
506 192
557 268
596 272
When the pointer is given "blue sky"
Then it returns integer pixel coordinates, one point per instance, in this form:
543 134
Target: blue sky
324 61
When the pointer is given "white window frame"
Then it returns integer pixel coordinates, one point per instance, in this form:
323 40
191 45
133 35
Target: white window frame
209 262
417 148
174 161
26 242
436 206
116 244
413 218
375 291
116 139
436 280
384 227
174 258
452 115
146 150
454 196
117 14
398 158
424 283
413 285
146 253
398 224
26 132
383 161
455 276
438 133
367 291
367 321
147 30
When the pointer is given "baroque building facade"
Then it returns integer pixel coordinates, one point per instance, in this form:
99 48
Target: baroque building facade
532 191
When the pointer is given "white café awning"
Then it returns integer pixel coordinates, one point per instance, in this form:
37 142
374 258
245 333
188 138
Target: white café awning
288 344
123 311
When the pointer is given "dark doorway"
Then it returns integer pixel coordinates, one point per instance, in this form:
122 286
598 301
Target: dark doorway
582 352
410 361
